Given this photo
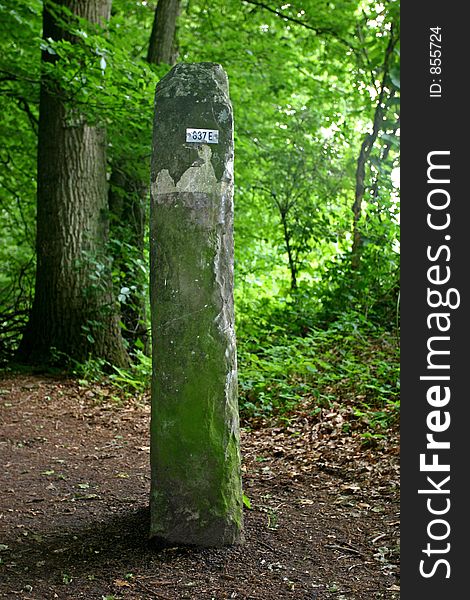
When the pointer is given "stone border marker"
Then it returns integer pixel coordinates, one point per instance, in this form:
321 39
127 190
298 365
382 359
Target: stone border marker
196 494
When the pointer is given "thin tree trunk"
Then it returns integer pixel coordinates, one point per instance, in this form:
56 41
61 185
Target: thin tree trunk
74 312
162 45
128 193
383 157
363 158
127 204
290 256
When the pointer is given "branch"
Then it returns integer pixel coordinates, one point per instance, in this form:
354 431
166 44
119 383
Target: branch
383 157
363 51
364 154
9 76
317 30
22 102
379 109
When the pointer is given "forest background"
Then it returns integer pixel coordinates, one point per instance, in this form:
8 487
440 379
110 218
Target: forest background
315 91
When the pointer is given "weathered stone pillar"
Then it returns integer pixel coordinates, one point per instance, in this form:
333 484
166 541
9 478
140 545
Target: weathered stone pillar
196 495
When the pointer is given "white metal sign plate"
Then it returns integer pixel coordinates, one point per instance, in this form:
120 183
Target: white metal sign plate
202 136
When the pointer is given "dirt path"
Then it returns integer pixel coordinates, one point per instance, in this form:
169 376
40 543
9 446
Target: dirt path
323 523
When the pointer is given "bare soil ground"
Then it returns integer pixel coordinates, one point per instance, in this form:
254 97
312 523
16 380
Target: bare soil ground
323 522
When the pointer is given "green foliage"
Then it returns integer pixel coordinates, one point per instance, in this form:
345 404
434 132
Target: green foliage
19 76
135 380
373 289
304 85
352 361
88 371
246 501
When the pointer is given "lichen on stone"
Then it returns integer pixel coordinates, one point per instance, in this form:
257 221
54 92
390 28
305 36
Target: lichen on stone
196 492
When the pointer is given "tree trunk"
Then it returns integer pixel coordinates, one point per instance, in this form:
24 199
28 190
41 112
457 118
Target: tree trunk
364 154
162 45
290 256
74 312
128 194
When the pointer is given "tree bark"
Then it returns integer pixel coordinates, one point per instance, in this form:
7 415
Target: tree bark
74 313
364 154
128 194
363 157
162 45
128 197
290 256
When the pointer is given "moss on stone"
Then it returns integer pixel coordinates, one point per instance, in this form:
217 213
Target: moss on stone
196 492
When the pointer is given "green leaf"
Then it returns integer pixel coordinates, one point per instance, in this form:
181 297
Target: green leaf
395 76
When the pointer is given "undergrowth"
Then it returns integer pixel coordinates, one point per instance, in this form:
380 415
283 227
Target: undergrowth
351 362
